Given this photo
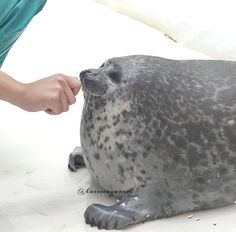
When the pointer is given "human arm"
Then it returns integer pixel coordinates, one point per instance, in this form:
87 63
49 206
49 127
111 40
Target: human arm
53 94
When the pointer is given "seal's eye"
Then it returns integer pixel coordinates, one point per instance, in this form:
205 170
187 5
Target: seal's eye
115 77
114 72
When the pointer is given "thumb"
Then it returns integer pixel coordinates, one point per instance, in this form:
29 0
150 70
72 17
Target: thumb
73 82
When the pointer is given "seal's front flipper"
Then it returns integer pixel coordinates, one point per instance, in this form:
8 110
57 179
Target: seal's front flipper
76 160
143 204
112 217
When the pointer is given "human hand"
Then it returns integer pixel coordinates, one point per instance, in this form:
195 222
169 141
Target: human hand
53 94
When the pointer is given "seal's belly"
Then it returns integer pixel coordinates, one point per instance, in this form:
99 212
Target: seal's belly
106 140
106 168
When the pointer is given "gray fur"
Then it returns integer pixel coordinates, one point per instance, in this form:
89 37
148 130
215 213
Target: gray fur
165 129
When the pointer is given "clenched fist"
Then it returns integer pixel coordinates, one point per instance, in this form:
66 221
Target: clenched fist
53 94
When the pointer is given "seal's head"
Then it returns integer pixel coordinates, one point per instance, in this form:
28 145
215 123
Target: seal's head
99 82
115 75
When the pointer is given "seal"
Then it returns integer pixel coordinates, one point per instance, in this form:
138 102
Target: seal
165 129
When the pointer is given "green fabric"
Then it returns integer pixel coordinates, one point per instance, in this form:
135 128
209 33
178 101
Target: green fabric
14 17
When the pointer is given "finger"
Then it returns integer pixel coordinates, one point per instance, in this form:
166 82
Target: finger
73 82
56 106
68 92
64 103
75 91
49 111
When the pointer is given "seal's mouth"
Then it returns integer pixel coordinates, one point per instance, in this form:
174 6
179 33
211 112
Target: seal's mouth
89 88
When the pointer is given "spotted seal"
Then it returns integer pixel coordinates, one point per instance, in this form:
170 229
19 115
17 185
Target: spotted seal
166 129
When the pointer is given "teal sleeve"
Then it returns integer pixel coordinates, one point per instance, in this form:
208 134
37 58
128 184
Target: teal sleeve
14 17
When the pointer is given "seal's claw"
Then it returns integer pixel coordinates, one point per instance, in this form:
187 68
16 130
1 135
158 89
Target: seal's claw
70 168
76 160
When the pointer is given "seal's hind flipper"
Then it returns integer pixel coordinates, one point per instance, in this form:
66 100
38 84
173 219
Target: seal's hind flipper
76 160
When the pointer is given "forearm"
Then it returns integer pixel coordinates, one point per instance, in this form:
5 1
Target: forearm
10 89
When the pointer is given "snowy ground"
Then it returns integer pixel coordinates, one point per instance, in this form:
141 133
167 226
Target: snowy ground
38 193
